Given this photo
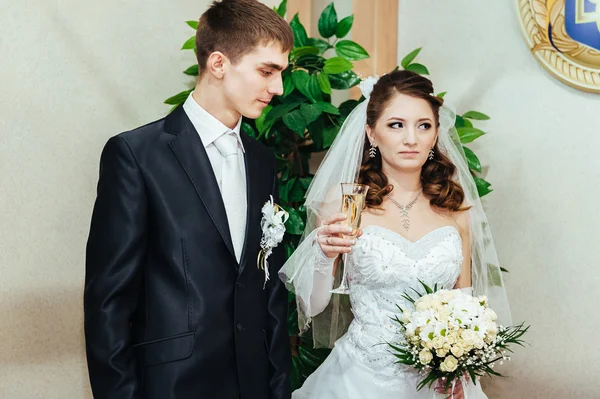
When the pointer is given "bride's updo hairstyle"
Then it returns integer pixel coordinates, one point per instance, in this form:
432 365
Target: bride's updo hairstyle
437 174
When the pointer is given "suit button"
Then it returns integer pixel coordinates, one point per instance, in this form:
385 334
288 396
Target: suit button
239 327
239 285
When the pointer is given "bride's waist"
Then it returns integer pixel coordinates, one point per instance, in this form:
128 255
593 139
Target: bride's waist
368 332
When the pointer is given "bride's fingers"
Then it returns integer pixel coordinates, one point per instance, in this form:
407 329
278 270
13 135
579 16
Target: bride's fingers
335 218
333 229
336 242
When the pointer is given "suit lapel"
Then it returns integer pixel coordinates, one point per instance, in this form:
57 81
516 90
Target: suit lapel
191 154
253 196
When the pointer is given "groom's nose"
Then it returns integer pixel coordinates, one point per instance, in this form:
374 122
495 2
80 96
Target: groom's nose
276 87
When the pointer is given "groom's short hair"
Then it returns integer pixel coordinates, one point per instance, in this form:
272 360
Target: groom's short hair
235 27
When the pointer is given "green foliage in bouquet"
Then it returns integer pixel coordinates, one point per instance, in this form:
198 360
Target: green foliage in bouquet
303 121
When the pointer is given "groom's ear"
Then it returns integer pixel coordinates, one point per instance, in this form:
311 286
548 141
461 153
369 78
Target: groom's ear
215 65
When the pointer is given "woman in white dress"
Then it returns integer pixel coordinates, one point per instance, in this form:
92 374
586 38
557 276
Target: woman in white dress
422 221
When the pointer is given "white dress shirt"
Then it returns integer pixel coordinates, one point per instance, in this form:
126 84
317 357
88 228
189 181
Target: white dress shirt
210 128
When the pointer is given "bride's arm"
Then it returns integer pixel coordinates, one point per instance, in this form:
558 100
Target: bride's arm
464 279
322 282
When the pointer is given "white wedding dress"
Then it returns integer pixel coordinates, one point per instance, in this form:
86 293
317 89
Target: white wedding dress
383 266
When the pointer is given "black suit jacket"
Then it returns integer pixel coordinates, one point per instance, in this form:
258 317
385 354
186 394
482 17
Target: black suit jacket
169 312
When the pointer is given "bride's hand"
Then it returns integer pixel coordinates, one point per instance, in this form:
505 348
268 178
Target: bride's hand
457 393
330 237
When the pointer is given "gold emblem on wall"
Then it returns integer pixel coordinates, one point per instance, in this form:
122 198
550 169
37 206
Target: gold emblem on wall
564 36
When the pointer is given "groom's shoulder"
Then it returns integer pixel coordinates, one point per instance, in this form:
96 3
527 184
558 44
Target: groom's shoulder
145 134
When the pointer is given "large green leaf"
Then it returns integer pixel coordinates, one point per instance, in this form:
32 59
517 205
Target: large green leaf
344 81
344 27
192 24
310 112
304 50
302 81
347 106
248 129
190 44
350 50
418 68
327 107
288 86
315 130
472 160
295 121
410 58
297 192
310 62
336 65
329 134
294 224
476 115
282 9
261 126
468 134
178 98
280 110
300 36
315 88
321 44
483 186
192 71
324 82
462 122
296 373
328 22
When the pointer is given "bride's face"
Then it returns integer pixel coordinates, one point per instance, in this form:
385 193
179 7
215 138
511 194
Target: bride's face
404 133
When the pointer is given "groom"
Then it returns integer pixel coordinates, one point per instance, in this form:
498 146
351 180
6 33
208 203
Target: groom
174 301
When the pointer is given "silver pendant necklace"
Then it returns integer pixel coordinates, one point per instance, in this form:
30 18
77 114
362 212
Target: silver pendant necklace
404 209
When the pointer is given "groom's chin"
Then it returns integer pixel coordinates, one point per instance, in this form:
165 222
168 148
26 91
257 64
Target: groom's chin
252 113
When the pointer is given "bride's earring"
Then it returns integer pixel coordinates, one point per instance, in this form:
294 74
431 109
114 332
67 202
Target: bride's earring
372 151
431 154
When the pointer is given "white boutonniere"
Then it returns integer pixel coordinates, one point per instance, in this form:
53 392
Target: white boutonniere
273 229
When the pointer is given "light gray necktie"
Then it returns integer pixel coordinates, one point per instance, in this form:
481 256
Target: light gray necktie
233 188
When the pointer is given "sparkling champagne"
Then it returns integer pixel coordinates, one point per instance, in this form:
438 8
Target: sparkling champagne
352 206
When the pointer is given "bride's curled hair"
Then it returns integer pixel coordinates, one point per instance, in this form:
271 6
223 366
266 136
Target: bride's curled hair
437 174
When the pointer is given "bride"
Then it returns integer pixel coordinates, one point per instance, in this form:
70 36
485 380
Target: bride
423 220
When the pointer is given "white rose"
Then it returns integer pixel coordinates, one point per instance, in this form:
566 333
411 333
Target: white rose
452 338
450 363
422 304
479 343
490 314
469 336
425 357
490 337
438 342
441 352
457 350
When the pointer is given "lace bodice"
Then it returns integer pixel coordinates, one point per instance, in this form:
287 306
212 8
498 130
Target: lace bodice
382 267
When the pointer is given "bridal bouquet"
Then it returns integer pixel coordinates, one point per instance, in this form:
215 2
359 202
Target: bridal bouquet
450 334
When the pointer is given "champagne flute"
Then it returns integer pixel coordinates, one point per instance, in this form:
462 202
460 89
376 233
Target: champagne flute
353 203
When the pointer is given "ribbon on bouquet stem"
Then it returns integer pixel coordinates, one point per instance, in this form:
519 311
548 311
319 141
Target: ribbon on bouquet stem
451 395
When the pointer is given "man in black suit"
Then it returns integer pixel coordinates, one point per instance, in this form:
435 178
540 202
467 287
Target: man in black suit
175 305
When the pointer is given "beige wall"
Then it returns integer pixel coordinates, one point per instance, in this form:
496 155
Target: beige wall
542 152
73 73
